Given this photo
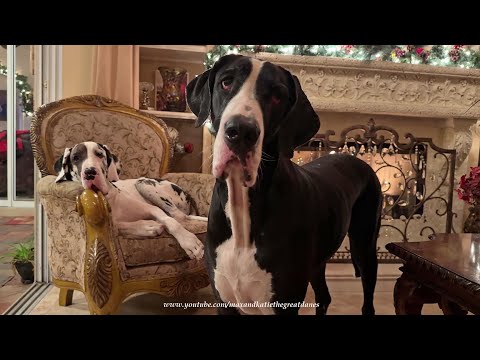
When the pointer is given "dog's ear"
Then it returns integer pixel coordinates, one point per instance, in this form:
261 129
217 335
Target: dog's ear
300 123
199 97
63 167
112 161
199 90
108 154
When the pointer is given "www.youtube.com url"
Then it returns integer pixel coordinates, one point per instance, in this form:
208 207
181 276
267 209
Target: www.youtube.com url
255 304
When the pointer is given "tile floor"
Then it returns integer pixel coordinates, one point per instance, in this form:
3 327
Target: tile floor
12 229
345 290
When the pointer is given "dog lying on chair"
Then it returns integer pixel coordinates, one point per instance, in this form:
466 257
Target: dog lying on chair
140 207
273 225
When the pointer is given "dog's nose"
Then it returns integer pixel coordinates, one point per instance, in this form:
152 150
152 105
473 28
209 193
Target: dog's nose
90 173
241 132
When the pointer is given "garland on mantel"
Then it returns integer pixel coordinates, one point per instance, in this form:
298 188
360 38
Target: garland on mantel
463 56
25 90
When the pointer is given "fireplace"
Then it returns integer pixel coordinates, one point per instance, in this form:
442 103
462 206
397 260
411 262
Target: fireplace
428 118
416 178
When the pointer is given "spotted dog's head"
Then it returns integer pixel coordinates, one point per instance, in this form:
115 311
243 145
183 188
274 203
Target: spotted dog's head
90 163
254 106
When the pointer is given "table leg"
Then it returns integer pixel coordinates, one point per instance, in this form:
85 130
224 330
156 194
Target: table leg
405 301
450 308
409 296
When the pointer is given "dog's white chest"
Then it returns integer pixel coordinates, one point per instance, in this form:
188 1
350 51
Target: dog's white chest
239 280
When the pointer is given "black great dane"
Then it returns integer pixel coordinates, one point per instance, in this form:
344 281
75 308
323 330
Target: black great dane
273 225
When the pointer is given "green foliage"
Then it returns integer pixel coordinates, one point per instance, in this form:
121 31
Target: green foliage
25 90
20 252
437 55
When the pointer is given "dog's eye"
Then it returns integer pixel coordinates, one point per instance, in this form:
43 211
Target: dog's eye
279 93
99 154
75 158
227 83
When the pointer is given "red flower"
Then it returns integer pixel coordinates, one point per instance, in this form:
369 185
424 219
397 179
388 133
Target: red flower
474 171
469 187
419 51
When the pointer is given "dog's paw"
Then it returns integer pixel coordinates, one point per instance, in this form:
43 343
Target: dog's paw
149 228
154 230
192 246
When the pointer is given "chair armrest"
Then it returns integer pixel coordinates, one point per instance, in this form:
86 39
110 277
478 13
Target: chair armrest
81 252
67 190
66 232
199 186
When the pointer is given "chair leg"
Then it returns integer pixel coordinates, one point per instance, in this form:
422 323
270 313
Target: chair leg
111 307
66 296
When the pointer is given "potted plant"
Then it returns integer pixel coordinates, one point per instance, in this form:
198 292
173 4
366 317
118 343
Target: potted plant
21 255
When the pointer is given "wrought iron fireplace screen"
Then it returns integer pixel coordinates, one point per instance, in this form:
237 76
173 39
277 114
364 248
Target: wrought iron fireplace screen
417 179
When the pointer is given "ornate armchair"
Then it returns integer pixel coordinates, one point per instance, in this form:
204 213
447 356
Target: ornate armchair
86 252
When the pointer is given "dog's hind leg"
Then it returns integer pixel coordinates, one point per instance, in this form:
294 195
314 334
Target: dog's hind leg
319 285
363 234
172 199
356 268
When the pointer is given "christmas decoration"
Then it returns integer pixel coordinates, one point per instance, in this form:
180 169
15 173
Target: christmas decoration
25 91
463 56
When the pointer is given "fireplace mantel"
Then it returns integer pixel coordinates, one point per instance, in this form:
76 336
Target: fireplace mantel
381 87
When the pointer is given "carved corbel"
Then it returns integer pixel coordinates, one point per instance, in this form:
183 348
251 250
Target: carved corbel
101 273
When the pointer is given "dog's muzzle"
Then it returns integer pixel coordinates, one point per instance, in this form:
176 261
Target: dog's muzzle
241 135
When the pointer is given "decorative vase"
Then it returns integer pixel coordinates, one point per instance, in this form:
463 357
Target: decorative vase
472 223
172 95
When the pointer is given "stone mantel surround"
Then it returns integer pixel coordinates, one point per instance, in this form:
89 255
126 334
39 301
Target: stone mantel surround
381 87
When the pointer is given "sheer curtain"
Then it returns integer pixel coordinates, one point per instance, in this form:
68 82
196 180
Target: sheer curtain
116 73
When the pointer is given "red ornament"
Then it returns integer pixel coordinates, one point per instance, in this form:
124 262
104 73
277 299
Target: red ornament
399 52
347 48
454 55
419 51
188 147
424 55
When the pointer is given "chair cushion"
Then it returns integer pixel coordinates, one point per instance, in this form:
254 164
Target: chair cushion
163 248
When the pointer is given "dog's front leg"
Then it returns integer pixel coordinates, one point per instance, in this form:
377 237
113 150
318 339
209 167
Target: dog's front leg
188 241
141 228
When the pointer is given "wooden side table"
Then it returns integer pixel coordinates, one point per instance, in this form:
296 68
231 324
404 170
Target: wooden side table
445 270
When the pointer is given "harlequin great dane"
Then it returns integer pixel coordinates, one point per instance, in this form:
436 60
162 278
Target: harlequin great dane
140 207
273 225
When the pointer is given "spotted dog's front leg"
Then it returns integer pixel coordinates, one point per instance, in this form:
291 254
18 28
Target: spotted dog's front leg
141 228
188 241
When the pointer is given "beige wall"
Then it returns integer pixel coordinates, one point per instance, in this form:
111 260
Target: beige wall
77 70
